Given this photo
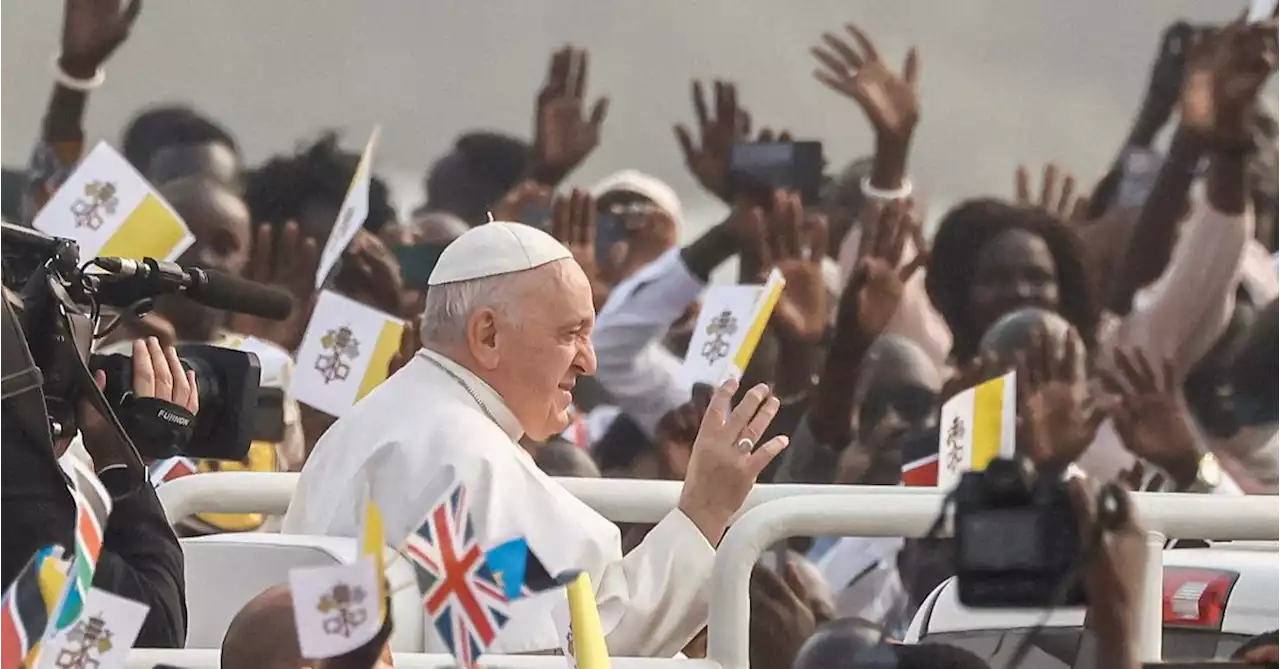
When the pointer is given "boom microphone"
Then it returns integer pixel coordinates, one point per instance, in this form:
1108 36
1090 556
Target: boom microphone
128 280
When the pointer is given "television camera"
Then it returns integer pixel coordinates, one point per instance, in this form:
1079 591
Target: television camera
53 305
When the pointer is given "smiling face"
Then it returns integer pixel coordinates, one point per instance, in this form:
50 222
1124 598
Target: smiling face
533 352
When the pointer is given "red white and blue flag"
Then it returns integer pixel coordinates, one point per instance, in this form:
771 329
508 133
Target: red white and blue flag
462 595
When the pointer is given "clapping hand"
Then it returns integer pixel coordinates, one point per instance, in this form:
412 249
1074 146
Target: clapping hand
289 262
795 245
563 134
727 457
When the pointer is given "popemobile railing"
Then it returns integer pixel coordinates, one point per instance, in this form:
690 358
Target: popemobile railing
771 513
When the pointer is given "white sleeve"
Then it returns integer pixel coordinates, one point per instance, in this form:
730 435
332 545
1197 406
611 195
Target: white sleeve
632 365
655 600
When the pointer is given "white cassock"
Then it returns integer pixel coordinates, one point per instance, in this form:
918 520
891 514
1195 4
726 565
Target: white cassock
434 413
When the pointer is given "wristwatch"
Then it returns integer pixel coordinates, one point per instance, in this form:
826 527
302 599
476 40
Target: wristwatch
1208 476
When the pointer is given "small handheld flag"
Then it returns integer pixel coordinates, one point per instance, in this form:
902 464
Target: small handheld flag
730 324
977 426
93 505
583 641
111 210
461 595
351 215
28 606
344 355
101 638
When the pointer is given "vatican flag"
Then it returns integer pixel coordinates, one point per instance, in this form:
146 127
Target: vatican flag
110 210
355 208
977 426
101 638
730 324
344 354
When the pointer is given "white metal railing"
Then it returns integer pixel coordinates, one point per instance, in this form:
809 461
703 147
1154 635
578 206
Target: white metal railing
771 513
147 658
1213 517
619 500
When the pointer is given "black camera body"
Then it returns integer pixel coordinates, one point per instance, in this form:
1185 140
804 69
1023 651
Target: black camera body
227 382
55 313
1017 539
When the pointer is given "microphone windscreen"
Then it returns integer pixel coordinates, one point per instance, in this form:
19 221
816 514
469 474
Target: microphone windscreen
230 293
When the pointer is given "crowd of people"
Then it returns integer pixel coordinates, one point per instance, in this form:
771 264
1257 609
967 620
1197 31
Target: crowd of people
1139 314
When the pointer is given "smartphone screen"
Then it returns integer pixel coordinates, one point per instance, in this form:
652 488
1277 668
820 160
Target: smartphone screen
416 262
756 168
611 228
538 216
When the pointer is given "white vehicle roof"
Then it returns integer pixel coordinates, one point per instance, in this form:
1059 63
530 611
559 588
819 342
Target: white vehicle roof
1253 607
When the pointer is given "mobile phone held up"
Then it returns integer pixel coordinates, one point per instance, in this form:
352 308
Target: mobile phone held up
758 168
416 262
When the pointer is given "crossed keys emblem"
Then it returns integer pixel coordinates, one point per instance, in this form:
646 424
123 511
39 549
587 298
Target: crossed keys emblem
345 603
99 199
955 454
721 328
87 641
340 346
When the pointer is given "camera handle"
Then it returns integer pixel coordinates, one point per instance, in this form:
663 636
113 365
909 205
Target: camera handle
65 336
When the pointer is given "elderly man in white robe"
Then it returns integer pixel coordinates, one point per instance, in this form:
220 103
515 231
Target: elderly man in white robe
506 333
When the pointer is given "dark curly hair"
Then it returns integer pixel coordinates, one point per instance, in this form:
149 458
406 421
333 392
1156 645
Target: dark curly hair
970 226
165 125
278 190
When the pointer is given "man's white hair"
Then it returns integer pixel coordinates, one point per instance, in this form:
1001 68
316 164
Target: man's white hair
449 305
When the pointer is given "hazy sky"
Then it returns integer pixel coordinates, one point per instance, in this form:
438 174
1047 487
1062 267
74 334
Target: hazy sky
1003 81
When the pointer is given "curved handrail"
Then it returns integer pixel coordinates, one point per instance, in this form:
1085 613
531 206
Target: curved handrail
1214 517
619 500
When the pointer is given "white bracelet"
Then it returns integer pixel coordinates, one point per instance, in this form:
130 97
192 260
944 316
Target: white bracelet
901 192
83 85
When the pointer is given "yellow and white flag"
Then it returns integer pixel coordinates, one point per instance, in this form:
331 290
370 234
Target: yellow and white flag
336 608
730 324
111 210
577 620
977 426
344 353
355 208
101 638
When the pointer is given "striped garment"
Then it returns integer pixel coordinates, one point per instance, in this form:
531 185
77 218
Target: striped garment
93 505
28 605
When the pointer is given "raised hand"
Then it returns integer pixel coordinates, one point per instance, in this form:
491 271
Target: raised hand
678 429
708 159
290 263
1057 194
91 31
1151 416
563 133
573 222
1225 69
796 245
1058 417
370 274
727 457
875 288
890 101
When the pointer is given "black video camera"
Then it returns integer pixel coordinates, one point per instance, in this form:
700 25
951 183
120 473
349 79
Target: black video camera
57 309
1017 539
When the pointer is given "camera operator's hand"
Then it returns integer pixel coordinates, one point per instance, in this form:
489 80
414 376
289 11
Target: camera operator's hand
1113 578
157 373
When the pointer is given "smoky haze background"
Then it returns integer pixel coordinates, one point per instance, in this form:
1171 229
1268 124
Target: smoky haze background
1003 81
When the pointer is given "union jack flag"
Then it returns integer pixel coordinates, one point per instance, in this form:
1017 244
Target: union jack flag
460 593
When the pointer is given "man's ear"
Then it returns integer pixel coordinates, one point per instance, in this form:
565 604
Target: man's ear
482 337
